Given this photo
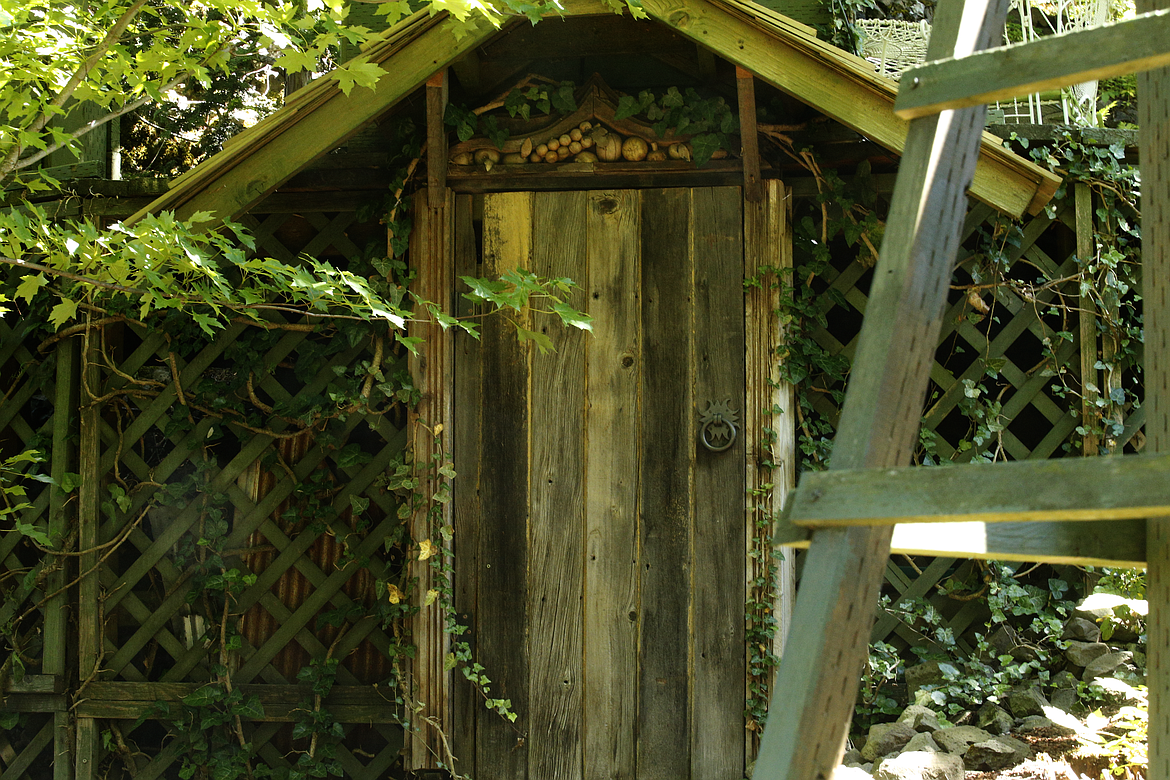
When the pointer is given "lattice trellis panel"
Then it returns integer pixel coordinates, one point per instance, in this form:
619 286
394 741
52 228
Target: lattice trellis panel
34 414
202 447
1007 330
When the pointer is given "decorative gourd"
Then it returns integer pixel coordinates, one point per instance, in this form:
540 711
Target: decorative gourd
656 155
635 149
461 158
608 147
679 152
586 157
515 159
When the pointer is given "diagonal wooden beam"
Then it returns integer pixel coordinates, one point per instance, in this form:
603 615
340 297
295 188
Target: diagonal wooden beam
1111 488
818 677
1058 61
317 119
841 86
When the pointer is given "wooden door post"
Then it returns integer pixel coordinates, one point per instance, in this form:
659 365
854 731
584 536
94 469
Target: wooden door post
429 425
819 674
1154 154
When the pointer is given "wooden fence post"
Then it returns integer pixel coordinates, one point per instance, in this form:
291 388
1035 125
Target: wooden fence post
89 619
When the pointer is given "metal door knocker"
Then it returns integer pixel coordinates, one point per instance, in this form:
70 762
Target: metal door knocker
717 425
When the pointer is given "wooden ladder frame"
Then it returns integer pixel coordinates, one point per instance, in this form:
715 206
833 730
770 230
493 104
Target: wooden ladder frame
946 101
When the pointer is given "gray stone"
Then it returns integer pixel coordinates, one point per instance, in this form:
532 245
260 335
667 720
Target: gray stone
850 773
922 742
956 739
1081 630
852 757
1034 722
1026 701
886 738
996 753
1064 680
1064 699
1084 653
921 718
927 673
994 718
921 766
1106 665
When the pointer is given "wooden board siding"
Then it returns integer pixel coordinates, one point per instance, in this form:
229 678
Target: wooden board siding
616 628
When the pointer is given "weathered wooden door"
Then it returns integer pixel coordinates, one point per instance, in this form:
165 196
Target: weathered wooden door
600 546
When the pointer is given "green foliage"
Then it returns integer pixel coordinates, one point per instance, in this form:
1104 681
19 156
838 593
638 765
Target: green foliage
710 121
14 496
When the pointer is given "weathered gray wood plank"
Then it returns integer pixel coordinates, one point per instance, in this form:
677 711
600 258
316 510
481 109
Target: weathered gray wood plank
1057 61
557 501
843 573
615 366
1086 543
432 369
89 605
1154 152
502 619
719 569
1108 488
666 455
466 447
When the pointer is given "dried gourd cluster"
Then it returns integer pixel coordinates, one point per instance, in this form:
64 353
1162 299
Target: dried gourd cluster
584 143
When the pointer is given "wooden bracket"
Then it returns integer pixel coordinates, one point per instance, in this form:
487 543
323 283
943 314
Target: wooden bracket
753 188
437 139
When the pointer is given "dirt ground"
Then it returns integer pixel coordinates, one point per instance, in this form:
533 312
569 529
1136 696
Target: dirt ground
1054 759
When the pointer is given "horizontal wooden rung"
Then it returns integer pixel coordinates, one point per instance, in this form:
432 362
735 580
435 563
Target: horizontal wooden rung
1057 61
1093 543
1067 489
346 703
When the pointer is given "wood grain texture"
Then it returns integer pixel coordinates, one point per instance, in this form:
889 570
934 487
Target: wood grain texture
89 605
1089 543
61 514
753 187
770 455
437 138
1113 488
840 86
719 568
666 456
1154 153
431 253
843 572
467 449
1087 317
615 367
557 503
1053 62
502 618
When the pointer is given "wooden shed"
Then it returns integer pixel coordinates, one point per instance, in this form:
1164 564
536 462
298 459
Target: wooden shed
603 513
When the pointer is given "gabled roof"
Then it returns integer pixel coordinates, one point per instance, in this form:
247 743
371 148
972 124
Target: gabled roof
778 50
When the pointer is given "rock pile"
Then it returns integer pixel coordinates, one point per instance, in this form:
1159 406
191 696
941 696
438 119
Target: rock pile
922 745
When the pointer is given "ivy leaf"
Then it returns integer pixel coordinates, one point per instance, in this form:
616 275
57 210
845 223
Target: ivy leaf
705 145
563 100
627 106
63 312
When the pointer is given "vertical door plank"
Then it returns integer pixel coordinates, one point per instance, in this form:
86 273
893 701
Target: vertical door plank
719 563
466 445
431 368
819 675
1154 152
667 450
611 485
770 409
557 522
501 621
